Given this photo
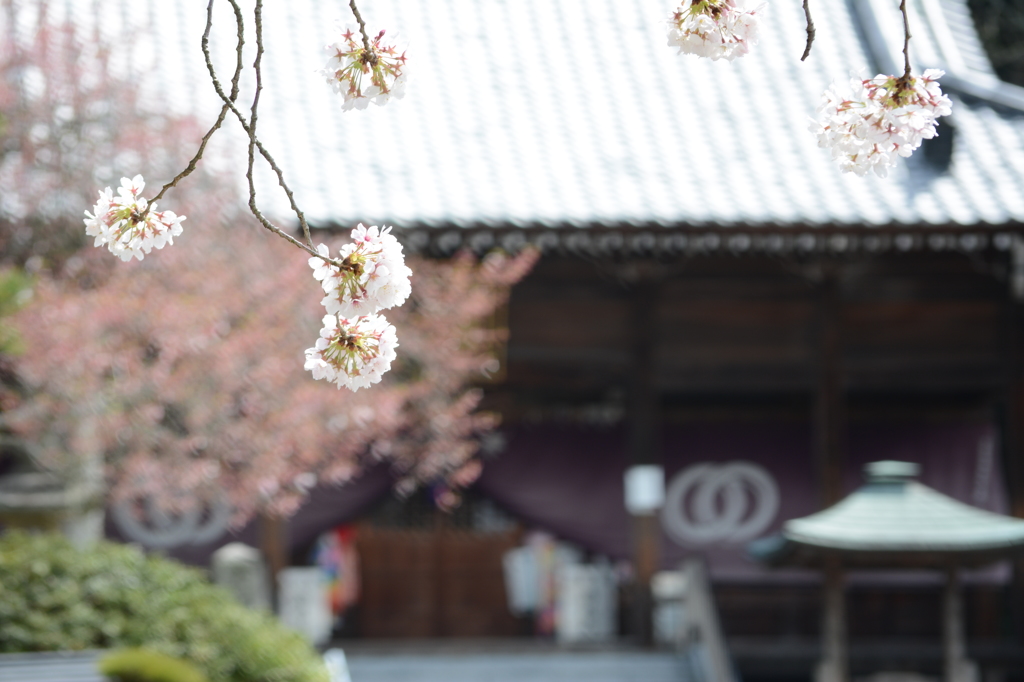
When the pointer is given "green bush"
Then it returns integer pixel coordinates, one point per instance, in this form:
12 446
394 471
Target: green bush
53 597
146 665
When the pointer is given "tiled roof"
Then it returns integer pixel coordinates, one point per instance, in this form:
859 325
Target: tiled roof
577 113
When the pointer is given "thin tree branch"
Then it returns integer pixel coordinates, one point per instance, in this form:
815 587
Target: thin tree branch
906 41
810 31
362 25
252 131
223 110
245 126
259 146
255 104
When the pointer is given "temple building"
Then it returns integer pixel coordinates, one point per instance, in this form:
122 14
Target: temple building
714 295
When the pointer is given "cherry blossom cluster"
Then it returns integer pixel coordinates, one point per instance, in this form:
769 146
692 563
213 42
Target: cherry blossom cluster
353 352
884 118
717 29
362 75
127 224
373 275
356 345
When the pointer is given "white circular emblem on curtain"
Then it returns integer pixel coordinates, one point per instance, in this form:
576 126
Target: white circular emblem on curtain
719 503
144 522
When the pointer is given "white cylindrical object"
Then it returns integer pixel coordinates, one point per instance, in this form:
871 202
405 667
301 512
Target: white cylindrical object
645 488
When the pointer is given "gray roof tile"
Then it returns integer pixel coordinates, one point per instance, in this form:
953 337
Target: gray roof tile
577 112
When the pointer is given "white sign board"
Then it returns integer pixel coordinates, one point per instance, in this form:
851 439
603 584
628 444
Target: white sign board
302 603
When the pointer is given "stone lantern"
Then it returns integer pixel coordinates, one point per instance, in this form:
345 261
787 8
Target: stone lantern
33 497
893 521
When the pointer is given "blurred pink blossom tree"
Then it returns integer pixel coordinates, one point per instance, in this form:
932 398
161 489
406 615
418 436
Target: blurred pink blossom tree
187 367
68 125
184 371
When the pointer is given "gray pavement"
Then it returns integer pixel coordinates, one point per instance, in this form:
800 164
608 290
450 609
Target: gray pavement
422 661
533 665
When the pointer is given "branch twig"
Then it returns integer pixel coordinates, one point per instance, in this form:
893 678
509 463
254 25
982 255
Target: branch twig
362 25
263 152
223 110
252 132
810 31
906 41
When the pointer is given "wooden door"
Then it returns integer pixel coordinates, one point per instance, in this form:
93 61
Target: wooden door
434 582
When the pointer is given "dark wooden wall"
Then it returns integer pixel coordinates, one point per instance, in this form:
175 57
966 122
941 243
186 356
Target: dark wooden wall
921 322
826 337
919 333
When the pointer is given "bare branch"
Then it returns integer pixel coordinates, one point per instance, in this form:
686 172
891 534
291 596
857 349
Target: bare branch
906 41
810 31
228 102
362 25
223 110
252 132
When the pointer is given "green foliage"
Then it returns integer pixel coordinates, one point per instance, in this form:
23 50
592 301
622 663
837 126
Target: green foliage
146 665
15 287
53 597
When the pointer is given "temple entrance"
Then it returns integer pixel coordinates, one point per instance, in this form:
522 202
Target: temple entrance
425 573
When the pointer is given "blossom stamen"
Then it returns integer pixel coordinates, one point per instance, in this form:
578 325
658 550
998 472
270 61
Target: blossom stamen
352 61
352 353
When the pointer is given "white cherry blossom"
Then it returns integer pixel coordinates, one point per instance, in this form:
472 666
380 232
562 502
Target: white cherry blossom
716 29
123 223
372 276
352 353
362 76
884 117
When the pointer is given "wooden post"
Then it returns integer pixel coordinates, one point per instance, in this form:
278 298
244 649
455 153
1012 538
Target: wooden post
644 447
273 545
1013 425
834 664
829 404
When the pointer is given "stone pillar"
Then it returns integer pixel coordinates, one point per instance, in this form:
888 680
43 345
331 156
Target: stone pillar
241 570
834 664
956 666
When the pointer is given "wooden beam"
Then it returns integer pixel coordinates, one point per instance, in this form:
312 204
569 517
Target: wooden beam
1013 439
1013 421
644 407
830 408
643 414
273 544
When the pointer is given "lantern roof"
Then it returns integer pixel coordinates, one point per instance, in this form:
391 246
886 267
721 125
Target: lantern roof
894 520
